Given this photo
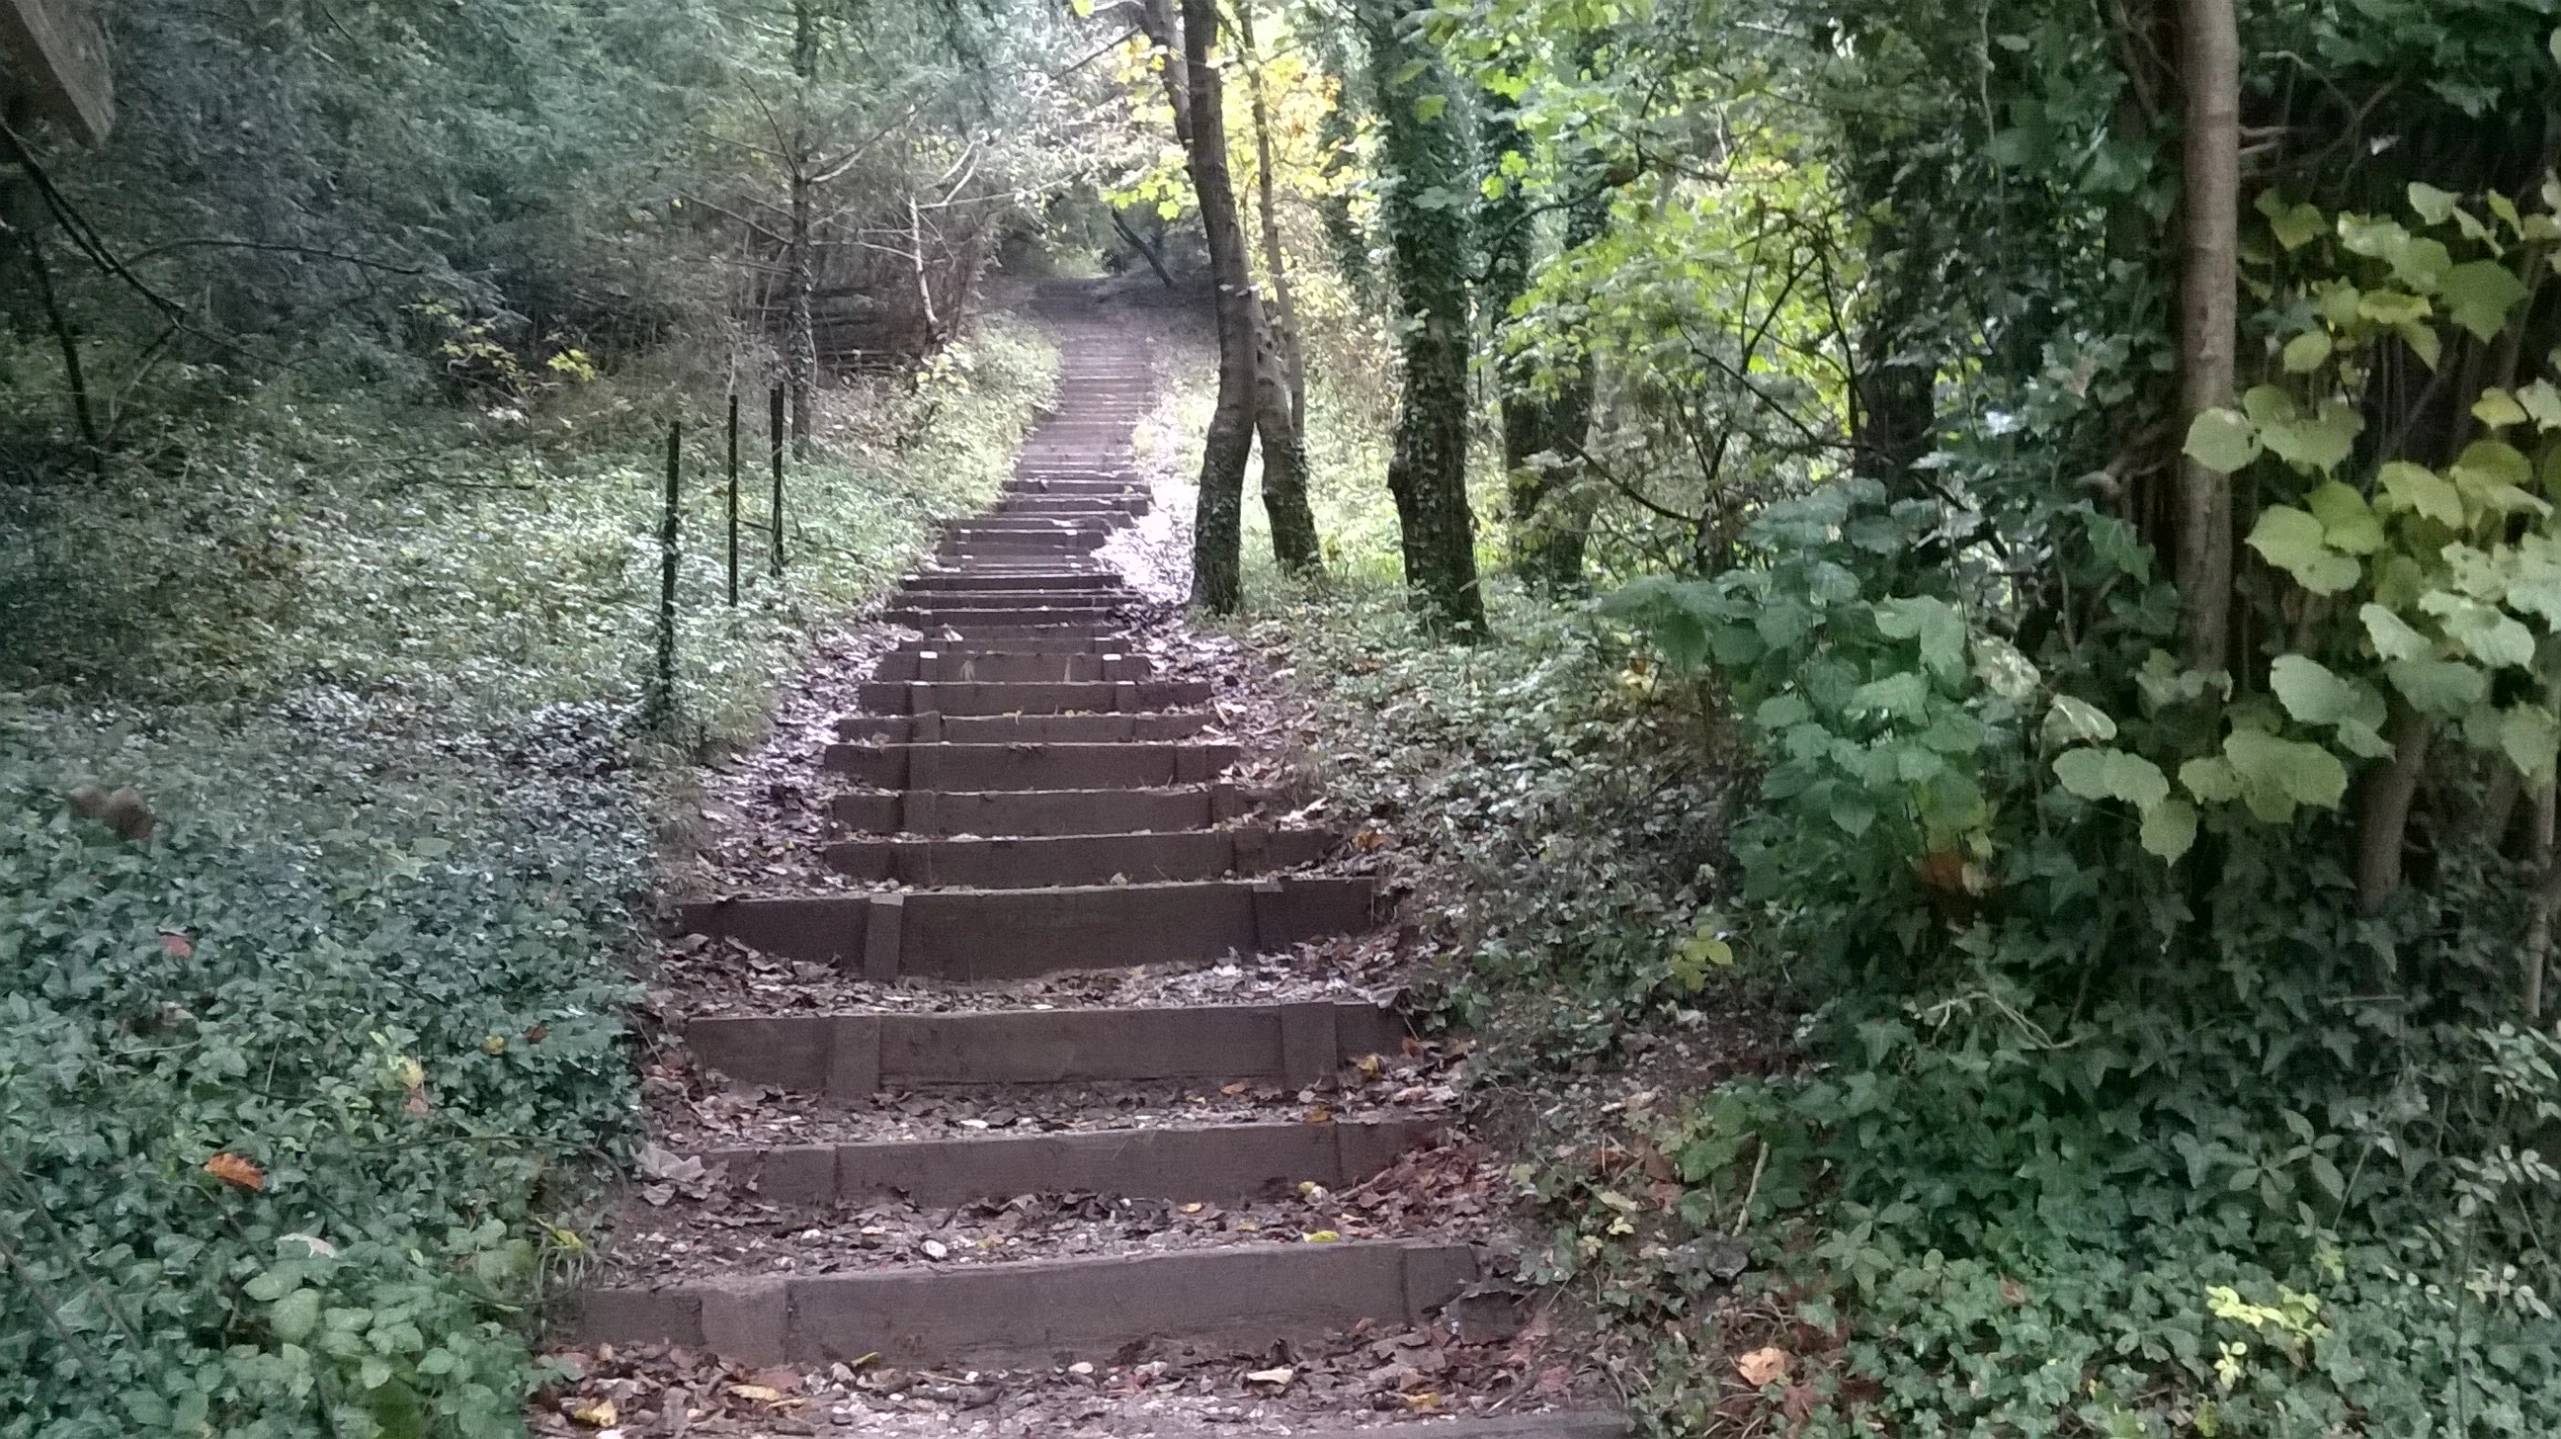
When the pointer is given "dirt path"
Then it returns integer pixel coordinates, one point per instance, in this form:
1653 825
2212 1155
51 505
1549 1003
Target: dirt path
1039 1072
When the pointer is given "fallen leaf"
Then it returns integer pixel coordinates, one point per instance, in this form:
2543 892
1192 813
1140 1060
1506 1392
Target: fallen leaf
1239 1087
2013 1293
784 1379
234 1170
1278 1378
936 1249
1323 1236
1762 1366
538 1034
763 1394
1321 1114
1422 1402
1370 1066
1194 1207
599 1415
176 945
416 1103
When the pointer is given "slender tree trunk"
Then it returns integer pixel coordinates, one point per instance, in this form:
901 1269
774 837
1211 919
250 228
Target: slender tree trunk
800 342
1294 541
1421 159
1275 258
2210 82
1218 523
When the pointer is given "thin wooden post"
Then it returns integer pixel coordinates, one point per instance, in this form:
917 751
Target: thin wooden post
774 417
733 498
663 701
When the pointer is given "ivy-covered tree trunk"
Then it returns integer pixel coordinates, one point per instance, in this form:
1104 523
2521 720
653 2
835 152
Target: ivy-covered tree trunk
1218 522
800 344
1423 162
1543 434
1280 365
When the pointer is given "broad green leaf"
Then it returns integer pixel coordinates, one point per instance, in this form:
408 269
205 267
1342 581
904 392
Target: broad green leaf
2004 670
2535 586
2489 634
2392 307
1428 108
2070 721
2422 491
2543 402
2314 694
2307 352
2269 405
2336 302
2222 440
1780 712
2478 573
2321 443
1934 622
2443 688
2169 828
2393 638
2529 736
2374 239
2102 773
2421 263
2346 522
2498 409
1897 696
295 1316
2211 779
2165 683
2423 341
2295 226
2434 205
2291 540
2506 210
2492 475
2478 296
2278 774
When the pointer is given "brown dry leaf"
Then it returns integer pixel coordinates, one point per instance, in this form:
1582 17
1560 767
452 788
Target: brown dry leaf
770 1397
1422 1401
237 1171
599 1415
416 1103
1370 1066
1239 1087
1800 1402
785 1379
1366 839
1762 1366
1277 1378
177 945
2013 1293
1321 1114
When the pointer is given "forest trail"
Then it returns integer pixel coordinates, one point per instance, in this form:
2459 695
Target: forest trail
946 1149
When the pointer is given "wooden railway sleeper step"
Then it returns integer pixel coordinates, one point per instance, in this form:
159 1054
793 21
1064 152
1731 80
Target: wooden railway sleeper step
1037 813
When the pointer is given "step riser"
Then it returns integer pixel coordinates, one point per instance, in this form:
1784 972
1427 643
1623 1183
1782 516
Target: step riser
958 617
920 697
1242 1297
1114 644
1227 1164
1055 580
1081 859
851 1057
1018 934
1040 814
1020 729
1006 667
949 766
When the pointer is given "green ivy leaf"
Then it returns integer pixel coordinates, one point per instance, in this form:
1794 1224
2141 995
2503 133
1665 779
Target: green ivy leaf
2346 521
2307 352
2292 541
1896 696
2071 721
1428 108
1934 622
2004 670
2276 775
2498 409
2105 773
2211 779
2442 688
295 1316
2422 491
2222 440
2393 638
2295 226
2489 634
2434 205
2478 295
2169 829
1780 712
2530 736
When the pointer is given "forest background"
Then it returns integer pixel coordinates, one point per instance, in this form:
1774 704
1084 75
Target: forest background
2008 548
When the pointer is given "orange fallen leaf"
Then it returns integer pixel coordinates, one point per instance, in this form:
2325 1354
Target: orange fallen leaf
1762 1366
1321 1114
235 1170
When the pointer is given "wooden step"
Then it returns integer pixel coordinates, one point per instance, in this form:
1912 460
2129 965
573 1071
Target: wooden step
904 611
1079 859
1040 1312
1034 580
854 1056
1019 729
983 934
921 696
1219 1163
948 766
1076 644
1038 813
999 666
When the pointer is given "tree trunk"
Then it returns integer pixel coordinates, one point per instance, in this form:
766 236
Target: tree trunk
800 344
1542 434
2385 815
1419 157
1294 542
2210 81
1218 523
1275 259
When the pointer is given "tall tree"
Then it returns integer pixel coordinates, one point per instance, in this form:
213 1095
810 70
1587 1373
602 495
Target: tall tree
1422 160
1218 521
2210 196
1280 371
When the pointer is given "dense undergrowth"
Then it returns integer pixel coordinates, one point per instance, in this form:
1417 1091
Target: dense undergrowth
301 1094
